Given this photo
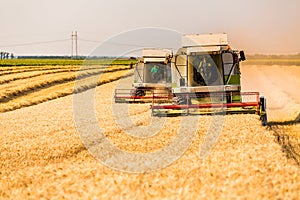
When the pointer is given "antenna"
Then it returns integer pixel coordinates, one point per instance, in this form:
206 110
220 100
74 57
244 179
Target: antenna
74 39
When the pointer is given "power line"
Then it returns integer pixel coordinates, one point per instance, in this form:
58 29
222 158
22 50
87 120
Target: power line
73 40
34 43
109 42
92 41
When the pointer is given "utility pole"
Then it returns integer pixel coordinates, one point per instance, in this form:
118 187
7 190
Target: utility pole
74 38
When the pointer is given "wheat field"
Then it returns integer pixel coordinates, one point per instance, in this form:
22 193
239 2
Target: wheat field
30 85
43 157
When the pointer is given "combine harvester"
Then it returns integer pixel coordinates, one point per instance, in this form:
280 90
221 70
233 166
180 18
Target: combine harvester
152 75
206 80
152 78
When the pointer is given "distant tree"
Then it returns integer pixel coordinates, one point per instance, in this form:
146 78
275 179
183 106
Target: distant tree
1 55
12 56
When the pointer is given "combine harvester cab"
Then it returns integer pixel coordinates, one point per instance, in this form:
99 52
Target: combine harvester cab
152 78
206 80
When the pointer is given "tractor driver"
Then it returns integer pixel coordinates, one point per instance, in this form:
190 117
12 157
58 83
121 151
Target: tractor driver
154 72
205 68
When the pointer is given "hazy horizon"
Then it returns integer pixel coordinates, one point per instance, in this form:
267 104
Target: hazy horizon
44 27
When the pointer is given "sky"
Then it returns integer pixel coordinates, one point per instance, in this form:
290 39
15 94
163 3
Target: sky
44 27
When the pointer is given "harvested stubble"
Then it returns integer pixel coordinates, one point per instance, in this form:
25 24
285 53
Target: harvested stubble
24 85
27 75
43 157
31 74
36 89
288 137
16 70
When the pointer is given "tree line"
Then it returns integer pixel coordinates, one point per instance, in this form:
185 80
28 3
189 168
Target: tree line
263 56
6 55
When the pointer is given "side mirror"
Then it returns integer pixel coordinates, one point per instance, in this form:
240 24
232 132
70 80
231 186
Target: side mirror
242 56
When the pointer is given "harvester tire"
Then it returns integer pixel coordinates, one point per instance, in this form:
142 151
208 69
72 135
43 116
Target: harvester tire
263 111
181 100
264 120
140 93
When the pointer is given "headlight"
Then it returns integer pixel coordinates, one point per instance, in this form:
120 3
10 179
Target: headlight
227 88
183 90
